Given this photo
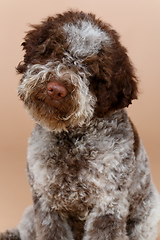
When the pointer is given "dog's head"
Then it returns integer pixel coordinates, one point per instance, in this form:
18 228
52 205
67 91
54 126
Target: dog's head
74 69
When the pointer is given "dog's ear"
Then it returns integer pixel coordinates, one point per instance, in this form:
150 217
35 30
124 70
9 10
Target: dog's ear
35 44
113 79
41 43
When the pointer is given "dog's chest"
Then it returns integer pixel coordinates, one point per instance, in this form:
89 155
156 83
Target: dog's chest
60 168
71 171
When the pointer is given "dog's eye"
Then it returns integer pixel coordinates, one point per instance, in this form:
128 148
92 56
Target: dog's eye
53 55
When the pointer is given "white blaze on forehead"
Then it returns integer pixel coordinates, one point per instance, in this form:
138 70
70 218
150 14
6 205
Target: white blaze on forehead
85 38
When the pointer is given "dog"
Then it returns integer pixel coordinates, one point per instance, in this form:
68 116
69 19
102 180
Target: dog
87 168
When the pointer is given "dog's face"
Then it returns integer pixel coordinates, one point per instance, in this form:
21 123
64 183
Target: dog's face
74 69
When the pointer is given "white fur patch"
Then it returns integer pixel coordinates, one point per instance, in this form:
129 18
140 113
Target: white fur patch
85 38
26 226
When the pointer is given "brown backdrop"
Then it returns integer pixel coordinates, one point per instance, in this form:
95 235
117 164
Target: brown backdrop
138 23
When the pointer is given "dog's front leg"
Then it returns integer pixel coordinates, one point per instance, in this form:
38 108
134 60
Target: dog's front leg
50 225
105 226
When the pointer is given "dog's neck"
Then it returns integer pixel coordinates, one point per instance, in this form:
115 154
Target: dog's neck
95 123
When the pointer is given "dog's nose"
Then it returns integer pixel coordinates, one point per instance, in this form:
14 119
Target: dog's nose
56 90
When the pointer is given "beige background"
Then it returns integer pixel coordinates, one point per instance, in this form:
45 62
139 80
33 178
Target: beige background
138 22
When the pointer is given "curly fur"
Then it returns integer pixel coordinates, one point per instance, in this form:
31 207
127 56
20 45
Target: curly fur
87 168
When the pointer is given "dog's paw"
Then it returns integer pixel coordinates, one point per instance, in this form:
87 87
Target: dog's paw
10 235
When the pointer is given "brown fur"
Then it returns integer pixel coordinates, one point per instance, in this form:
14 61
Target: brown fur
136 139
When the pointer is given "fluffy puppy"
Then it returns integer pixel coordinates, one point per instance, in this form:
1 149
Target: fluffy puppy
88 171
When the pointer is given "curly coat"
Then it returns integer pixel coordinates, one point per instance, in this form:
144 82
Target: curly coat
87 168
